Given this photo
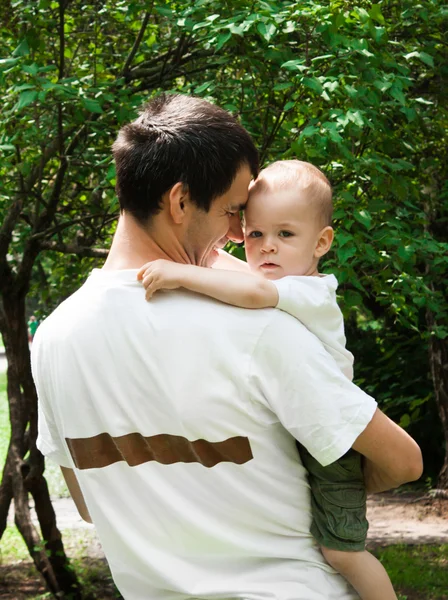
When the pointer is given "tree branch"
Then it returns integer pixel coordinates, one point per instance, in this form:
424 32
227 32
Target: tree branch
138 40
74 249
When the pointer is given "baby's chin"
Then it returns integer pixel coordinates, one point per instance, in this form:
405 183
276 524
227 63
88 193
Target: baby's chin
273 276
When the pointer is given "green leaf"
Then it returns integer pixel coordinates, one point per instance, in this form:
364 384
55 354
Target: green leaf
31 69
423 101
26 98
356 118
166 12
426 58
342 238
282 86
22 49
398 95
310 131
203 87
24 86
363 217
236 29
92 105
323 57
423 56
266 31
111 173
405 421
294 65
345 253
222 39
352 298
7 63
313 84
375 14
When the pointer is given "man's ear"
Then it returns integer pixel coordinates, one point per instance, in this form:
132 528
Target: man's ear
178 201
324 241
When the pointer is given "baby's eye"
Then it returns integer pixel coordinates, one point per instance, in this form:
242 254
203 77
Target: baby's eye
255 234
285 234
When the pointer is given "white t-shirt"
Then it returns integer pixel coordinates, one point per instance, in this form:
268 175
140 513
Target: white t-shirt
312 300
179 417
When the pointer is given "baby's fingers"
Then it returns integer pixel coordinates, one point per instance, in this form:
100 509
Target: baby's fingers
143 271
151 284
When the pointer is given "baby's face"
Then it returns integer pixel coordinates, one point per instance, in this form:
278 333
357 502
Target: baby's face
281 233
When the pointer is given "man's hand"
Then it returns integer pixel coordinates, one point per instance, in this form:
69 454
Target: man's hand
160 275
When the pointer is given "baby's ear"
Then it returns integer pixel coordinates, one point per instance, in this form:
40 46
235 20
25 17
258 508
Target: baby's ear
324 241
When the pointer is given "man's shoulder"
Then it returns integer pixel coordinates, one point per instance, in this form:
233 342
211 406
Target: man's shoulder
64 314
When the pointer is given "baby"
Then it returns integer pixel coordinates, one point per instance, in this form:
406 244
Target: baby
287 230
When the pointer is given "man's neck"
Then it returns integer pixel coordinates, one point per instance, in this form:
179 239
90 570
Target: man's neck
133 246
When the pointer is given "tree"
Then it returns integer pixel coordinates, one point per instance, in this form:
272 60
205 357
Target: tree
356 89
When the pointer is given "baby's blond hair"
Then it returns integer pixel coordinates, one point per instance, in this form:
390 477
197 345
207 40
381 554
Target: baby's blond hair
306 178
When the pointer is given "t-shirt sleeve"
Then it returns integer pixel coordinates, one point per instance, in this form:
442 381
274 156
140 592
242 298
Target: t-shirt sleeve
294 376
312 300
49 440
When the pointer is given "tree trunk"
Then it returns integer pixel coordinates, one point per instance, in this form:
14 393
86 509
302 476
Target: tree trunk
23 472
438 360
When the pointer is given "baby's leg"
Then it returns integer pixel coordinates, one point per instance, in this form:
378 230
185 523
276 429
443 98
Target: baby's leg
366 574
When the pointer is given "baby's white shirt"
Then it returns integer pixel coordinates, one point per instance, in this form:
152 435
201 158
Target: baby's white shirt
312 300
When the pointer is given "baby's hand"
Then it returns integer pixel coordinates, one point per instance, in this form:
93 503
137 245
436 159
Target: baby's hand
160 275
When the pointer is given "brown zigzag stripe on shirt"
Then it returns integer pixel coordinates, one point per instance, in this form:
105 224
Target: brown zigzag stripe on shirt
103 450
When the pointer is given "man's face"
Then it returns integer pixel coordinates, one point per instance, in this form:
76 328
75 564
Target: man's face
208 231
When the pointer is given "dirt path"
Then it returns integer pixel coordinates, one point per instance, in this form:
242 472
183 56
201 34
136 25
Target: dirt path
407 519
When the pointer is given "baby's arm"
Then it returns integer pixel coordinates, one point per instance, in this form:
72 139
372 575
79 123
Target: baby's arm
233 287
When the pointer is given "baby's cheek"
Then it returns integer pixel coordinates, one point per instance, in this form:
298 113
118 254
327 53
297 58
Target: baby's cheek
250 250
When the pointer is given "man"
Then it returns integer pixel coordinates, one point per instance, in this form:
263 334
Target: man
174 420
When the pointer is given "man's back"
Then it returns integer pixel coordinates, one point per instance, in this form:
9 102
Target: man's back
167 410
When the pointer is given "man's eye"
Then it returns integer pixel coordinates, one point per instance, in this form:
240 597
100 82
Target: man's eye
255 234
231 214
285 234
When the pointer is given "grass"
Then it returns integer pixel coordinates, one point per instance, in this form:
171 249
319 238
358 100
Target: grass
417 572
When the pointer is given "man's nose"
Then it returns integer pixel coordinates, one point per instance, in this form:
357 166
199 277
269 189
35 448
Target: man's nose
235 232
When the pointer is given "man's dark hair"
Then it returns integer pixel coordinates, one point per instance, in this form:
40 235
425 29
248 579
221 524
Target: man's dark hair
184 139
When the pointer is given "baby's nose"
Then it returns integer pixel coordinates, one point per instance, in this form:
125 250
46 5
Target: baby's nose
268 245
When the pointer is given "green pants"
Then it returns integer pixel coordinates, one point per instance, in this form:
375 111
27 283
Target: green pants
338 501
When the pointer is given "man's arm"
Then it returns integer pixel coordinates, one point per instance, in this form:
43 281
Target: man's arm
392 457
76 493
302 385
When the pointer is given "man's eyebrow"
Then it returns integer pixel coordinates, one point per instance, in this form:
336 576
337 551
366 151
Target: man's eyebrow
237 207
